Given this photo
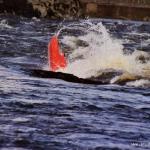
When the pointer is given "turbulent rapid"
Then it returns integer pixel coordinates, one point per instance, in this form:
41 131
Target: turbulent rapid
42 114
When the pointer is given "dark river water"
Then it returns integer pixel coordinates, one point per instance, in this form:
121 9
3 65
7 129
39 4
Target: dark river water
51 114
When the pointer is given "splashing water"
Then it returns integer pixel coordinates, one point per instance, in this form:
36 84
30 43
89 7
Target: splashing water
102 52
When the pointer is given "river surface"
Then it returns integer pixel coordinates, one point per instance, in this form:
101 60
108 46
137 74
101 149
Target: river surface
50 114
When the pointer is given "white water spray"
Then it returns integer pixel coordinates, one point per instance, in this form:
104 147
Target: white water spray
103 52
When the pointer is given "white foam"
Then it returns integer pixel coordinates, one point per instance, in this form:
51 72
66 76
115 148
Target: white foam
4 24
139 83
103 52
20 119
